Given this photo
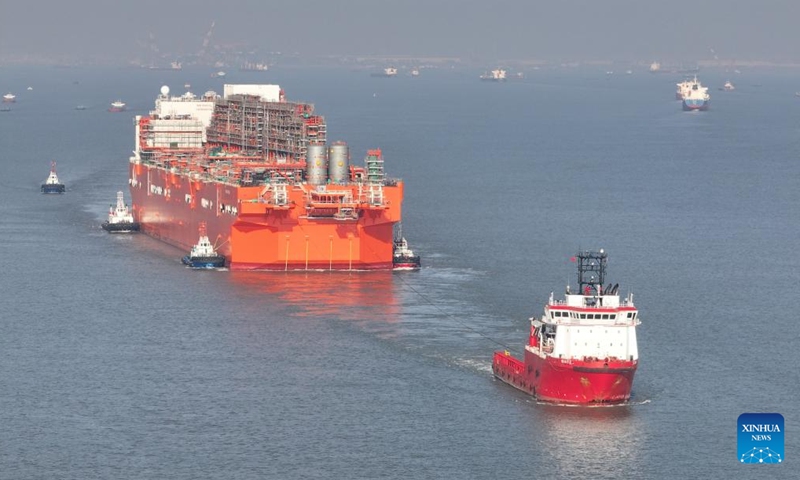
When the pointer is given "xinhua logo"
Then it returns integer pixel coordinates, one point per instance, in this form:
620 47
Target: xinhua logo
760 438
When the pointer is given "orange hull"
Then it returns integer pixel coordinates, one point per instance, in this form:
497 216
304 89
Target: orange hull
255 234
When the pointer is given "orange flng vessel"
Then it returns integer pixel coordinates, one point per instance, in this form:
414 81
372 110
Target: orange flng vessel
257 170
583 349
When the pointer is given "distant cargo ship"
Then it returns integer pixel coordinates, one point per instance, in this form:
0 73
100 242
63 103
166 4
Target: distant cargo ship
583 349
497 75
254 67
172 66
256 169
387 72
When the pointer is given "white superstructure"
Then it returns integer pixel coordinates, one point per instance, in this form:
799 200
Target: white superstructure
497 75
597 325
52 179
120 213
592 323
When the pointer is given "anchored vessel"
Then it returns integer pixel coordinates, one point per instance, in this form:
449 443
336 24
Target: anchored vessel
254 67
497 75
696 97
203 254
582 350
52 184
387 72
120 219
258 171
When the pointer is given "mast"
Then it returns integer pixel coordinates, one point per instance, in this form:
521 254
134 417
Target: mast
591 270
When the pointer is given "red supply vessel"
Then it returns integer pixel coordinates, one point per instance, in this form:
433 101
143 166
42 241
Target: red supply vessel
583 349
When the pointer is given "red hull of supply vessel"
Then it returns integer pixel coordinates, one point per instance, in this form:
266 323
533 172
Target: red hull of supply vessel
256 170
583 349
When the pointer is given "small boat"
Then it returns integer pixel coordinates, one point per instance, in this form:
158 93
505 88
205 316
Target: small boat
403 257
80 107
203 254
415 72
118 106
9 98
728 86
120 219
52 185
220 74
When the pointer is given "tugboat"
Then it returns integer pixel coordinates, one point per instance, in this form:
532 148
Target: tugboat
583 349
120 219
203 254
52 185
403 257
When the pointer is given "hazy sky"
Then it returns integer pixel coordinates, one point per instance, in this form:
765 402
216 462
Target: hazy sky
500 29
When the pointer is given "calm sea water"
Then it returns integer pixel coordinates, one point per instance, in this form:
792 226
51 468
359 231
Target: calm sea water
118 362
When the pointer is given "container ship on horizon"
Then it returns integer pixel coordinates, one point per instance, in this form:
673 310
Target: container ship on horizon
256 169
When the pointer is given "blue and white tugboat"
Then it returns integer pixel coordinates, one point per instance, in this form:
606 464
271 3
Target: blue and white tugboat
52 185
203 254
120 219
